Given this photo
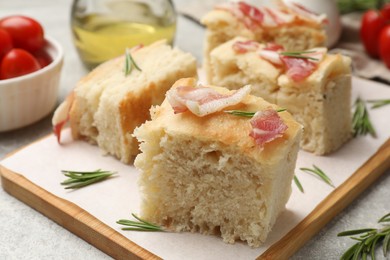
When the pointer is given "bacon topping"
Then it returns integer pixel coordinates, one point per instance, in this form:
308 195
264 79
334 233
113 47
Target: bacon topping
271 56
266 126
270 53
254 17
202 101
271 46
278 17
61 116
251 16
297 64
245 46
298 69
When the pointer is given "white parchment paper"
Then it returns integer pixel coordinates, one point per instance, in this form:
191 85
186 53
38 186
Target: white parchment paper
118 197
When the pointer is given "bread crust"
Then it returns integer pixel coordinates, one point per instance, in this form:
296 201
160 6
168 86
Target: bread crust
321 102
108 104
207 175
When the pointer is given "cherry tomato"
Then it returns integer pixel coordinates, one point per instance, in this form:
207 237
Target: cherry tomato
18 62
43 58
385 11
372 24
26 33
384 45
5 43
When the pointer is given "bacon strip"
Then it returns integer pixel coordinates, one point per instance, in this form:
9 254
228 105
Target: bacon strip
271 46
266 126
278 17
245 46
254 17
251 16
202 101
271 56
296 68
61 116
299 68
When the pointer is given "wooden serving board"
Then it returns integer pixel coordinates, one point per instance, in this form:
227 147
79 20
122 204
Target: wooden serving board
353 168
103 237
72 217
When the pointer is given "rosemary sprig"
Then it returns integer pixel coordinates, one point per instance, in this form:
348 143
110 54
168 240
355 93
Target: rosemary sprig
379 103
298 54
139 225
129 63
361 123
298 183
368 240
247 113
80 179
320 173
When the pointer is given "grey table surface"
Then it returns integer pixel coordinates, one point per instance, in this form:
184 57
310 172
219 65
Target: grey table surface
26 234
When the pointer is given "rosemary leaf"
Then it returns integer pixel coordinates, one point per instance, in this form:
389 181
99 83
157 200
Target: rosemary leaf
386 242
240 113
143 221
139 229
247 113
139 225
136 225
298 183
86 176
368 241
373 247
349 253
379 103
358 251
81 179
86 182
317 171
133 62
298 54
361 123
385 218
354 232
130 63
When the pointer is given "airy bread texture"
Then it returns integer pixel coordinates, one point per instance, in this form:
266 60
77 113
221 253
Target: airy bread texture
297 35
108 104
207 175
321 102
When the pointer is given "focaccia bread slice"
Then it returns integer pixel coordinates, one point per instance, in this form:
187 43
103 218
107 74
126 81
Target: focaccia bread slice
208 175
288 24
108 104
316 93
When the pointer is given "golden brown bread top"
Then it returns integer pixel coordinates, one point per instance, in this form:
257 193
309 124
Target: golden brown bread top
228 129
217 18
332 66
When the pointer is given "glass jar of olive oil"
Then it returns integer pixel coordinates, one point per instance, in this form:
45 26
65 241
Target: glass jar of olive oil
103 29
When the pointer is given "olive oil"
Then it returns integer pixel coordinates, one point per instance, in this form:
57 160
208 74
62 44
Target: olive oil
102 37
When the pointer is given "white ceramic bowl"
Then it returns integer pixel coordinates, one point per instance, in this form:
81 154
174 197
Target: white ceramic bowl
28 98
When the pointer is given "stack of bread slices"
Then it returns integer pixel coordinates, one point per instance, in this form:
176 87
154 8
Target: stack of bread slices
215 158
